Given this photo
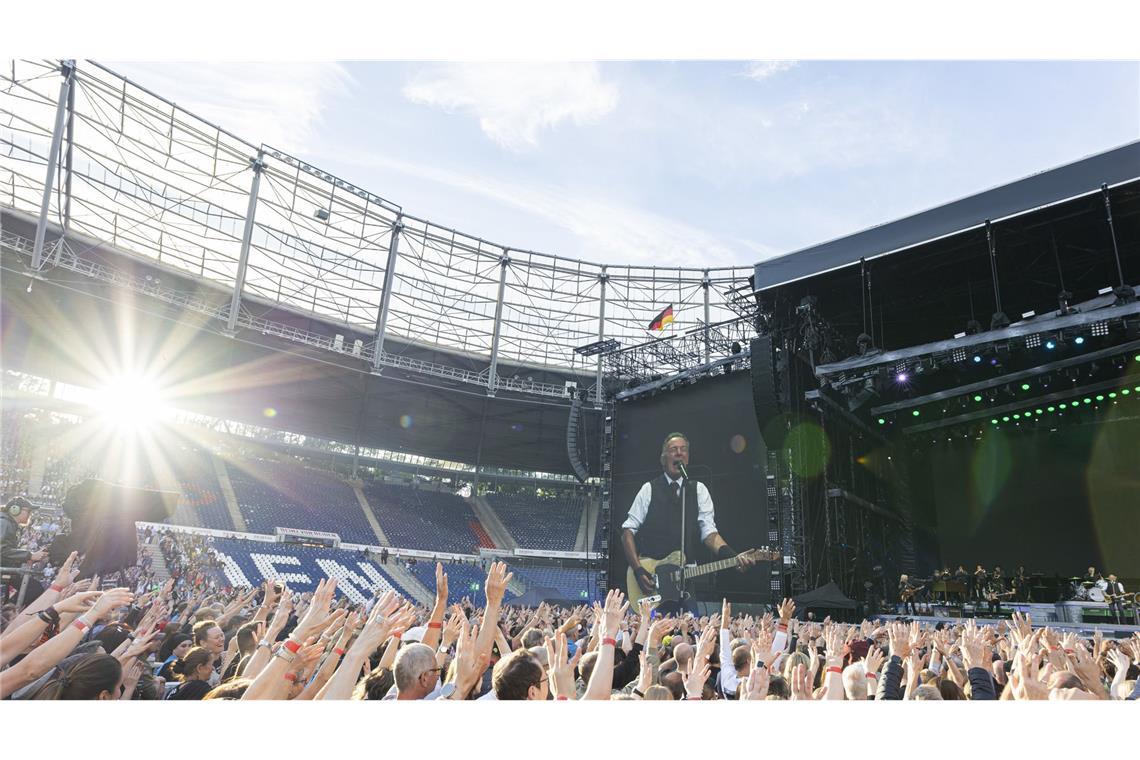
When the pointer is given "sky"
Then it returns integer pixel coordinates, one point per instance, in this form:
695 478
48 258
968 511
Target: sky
669 163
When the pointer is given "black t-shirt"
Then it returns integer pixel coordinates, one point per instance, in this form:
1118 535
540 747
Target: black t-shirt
194 690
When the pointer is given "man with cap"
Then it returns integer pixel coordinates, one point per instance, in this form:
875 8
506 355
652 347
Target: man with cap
17 513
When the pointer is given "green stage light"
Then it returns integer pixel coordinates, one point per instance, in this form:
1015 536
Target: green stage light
1025 386
882 421
1017 416
977 398
1100 398
1112 395
1051 409
1124 392
1005 419
915 412
993 422
1038 411
1088 400
1064 406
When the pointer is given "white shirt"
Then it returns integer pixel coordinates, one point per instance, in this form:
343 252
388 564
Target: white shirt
728 676
640 508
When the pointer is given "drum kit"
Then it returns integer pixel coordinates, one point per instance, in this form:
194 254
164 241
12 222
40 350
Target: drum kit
1085 590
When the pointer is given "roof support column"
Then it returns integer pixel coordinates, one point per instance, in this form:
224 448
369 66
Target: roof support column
705 283
603 278
504 262
257 164
386 296
68 72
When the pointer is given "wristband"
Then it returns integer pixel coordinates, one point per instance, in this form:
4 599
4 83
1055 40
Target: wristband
78 623
56 587
638 692
291 677
873 675
435 625
339 652
609 641
292 646
835 669
560 698
782 627
264 643
285 655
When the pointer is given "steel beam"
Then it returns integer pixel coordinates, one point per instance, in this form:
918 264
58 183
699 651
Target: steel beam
603 278
52 162
386 295
257 164
504 262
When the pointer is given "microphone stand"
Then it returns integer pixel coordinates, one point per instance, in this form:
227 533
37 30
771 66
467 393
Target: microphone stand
684 522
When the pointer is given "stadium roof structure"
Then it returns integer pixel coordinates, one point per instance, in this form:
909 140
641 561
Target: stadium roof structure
1037 191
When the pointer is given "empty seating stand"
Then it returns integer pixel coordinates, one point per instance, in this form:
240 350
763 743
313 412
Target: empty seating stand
422 519
539 522
287 495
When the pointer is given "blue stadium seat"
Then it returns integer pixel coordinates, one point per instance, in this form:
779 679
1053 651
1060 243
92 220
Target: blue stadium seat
539 522
285 495
415 518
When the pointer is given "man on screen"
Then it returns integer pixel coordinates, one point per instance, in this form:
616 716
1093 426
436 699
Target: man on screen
653 528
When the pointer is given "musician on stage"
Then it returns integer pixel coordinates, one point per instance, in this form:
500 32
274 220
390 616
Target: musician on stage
997 580
981 578
653 527
1021 584
1091 577
907 592
963 577
1115 597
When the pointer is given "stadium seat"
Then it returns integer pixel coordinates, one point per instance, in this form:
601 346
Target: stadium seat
415 518
539 522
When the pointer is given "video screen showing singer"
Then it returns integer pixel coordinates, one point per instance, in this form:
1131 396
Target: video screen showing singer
652 532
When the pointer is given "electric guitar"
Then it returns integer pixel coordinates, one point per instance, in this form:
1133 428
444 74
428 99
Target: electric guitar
908 593
668 574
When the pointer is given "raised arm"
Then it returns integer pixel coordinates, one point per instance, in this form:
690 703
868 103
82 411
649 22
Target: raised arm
601 680
435 621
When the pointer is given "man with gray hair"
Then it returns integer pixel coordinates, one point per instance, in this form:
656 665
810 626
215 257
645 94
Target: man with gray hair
416 672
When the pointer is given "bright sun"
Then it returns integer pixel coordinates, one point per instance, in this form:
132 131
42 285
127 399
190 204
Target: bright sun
130 403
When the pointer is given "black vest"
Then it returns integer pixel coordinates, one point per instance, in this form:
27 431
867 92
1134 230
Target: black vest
660 532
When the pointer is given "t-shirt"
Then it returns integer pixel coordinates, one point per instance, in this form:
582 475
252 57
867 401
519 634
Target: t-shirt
193 690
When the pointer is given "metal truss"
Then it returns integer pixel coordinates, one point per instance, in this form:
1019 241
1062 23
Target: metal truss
663 358
139 174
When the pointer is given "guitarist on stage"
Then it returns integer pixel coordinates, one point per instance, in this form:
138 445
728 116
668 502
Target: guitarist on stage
907 593
653 527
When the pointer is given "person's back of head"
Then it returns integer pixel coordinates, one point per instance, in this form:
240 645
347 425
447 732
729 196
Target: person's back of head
927 691
375 685
586 665
247 638
186 669
541 655
113 635
234 689
412 663
794 659
1065 680
742 659
950 690
855 681
778 687
518 677
683 654
92 676
149 687
675 683
532 638
658 692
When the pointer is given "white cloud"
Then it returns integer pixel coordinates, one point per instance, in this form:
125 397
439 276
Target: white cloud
275 103
514 102
761 70
608 232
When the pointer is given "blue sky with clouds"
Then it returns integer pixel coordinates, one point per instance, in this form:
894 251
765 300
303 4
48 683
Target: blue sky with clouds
678 163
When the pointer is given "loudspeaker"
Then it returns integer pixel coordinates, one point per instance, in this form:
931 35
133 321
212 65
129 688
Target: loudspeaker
103 519
572 422
769 390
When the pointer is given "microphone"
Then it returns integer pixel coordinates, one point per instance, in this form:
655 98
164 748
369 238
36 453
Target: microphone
684 472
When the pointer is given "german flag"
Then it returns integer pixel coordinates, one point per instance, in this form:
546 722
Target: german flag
662 319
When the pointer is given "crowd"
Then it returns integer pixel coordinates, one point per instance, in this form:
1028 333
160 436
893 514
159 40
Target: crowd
193 637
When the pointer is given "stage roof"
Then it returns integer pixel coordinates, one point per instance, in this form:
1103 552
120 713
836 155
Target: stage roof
1081 177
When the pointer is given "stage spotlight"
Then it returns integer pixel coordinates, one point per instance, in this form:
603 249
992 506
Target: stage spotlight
1099 397
882 421
1124 392
129 402
977 398
915 412
977 359
1079 340
1050 345
1025 386
901 378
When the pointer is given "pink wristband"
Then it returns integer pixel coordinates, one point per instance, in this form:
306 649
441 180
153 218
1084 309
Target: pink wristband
610 641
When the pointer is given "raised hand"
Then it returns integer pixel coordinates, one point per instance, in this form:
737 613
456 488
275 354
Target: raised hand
469 662
440 584
973 646
318 612
874 660
756 687
67 572
801 684
787 609
613 612
695 683
77 603
725 613
496 585
561 672
110 601
899 637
